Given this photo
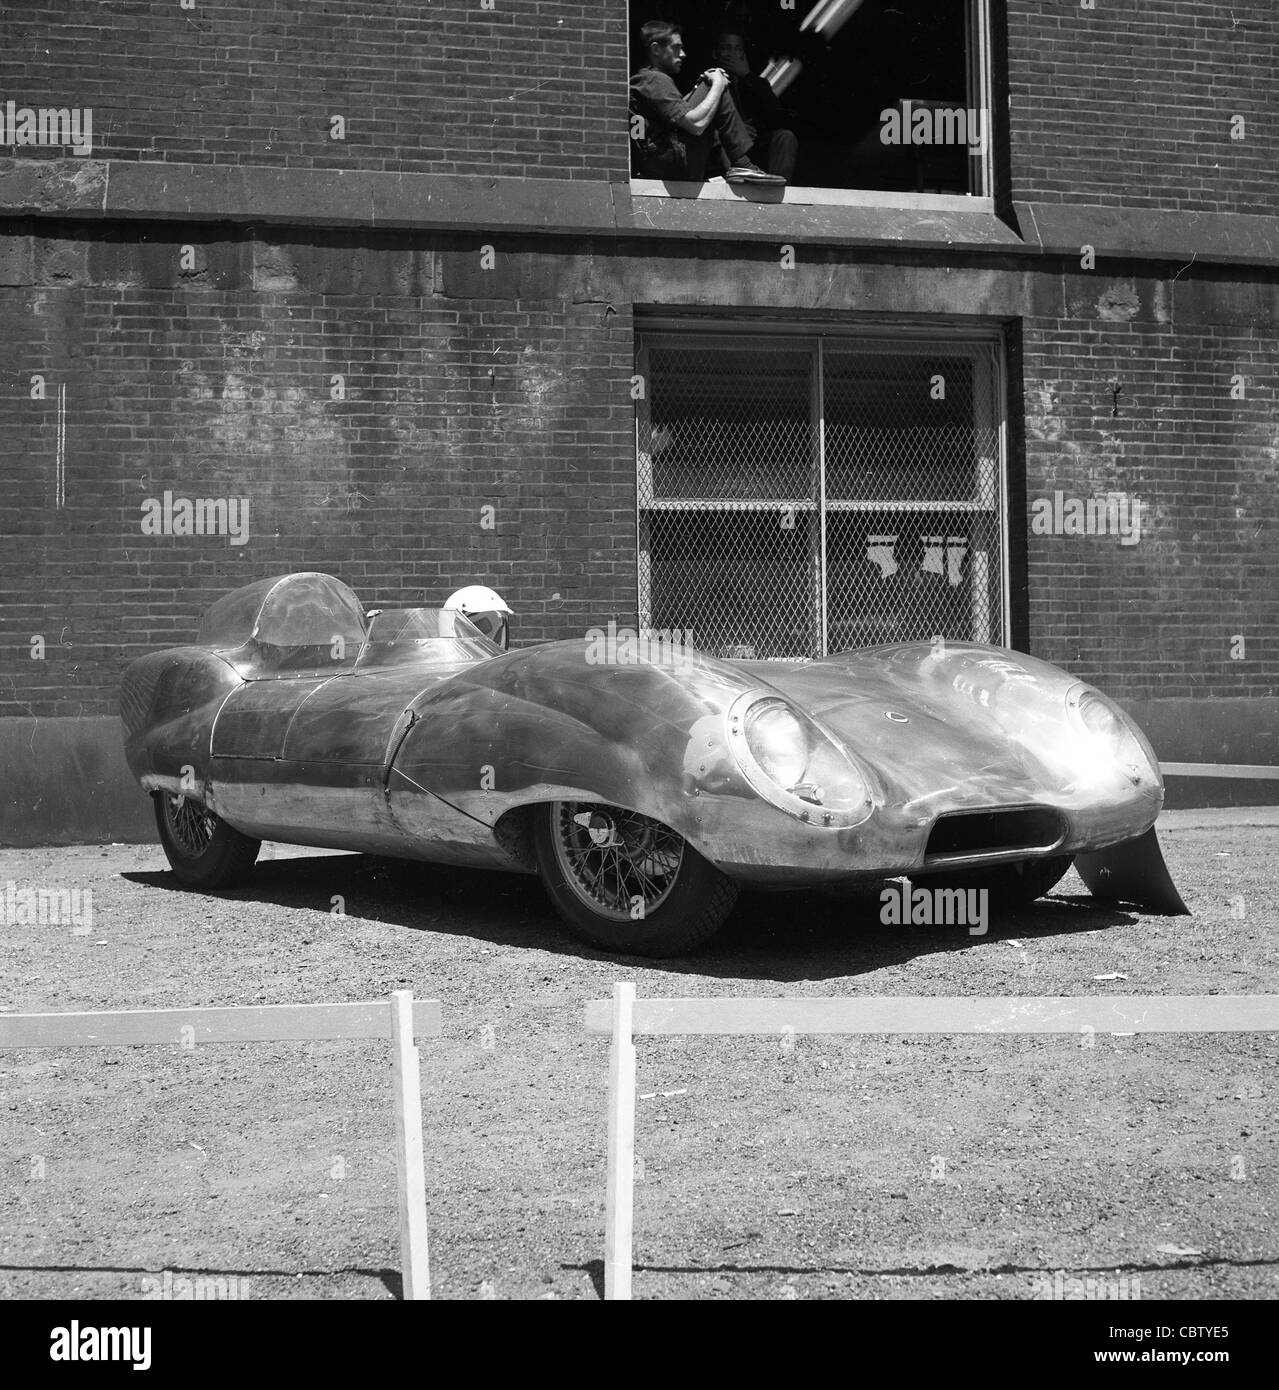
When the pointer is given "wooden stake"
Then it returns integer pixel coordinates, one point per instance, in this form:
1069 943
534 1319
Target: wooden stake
409 1162
619 1198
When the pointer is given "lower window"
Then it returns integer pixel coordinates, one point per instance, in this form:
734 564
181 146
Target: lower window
806 493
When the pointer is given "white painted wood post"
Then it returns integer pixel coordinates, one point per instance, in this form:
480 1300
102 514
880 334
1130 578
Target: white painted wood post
619 1198
409 1162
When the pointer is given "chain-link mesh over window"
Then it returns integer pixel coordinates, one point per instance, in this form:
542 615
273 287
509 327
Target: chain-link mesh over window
804 495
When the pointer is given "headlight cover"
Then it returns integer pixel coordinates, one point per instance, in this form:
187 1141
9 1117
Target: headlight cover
793 765
777 741
1111 734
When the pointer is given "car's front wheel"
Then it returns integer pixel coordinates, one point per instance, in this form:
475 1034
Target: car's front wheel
627 883
202 849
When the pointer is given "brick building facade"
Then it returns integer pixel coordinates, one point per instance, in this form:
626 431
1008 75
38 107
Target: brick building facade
413 350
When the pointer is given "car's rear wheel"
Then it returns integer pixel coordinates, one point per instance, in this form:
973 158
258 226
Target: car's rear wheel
202 849
627 883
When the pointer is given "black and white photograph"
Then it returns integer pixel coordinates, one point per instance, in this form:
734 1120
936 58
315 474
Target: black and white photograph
639 661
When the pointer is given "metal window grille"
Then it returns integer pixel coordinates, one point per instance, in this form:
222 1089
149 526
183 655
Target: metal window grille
800 495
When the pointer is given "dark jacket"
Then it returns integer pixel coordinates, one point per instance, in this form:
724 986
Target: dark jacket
657 101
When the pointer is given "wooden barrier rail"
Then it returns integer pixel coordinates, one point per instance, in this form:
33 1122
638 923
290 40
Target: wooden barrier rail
1264 772
399 1019
624 1017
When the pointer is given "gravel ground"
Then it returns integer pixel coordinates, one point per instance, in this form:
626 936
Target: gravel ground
881 1168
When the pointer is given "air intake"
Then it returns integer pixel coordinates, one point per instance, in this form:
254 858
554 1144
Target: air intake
968 835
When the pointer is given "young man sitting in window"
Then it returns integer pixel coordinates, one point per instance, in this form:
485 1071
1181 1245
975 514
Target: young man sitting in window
674 134
775 147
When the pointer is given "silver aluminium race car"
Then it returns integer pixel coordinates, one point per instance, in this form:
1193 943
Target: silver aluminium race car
645 786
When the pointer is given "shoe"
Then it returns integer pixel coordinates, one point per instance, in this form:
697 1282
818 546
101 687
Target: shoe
746 172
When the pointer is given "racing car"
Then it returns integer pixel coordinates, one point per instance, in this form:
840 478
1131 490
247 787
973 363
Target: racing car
645 784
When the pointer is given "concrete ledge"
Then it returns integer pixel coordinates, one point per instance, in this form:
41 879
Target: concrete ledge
719 190
327 197
66 782
970 227
123 189
126 189
1060 229
54 187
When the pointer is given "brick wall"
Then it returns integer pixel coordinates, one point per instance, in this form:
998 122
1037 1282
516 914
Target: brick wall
463 389
1159 618
445 87
1132 102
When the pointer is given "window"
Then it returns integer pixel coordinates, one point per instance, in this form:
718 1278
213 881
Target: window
804 493
886 95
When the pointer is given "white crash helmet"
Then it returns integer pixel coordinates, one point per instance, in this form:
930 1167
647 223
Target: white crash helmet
486 609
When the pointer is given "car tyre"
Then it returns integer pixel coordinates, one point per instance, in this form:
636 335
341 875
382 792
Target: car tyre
626 883
202 849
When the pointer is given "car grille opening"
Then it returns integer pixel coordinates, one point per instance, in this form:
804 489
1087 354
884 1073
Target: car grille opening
973 834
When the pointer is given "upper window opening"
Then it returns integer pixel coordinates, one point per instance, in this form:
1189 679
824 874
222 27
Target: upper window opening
885 95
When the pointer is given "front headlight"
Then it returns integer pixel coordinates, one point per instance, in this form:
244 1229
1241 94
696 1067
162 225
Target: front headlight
777 741
793 764
1091 710
1109 733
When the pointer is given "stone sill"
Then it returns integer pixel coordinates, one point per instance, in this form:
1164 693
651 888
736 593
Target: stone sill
482 206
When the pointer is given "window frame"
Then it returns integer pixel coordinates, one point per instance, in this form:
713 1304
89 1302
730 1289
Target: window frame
978 21
688 329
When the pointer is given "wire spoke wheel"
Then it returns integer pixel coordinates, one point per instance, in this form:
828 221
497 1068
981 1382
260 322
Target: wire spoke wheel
618 863
202 849
625 882
191 824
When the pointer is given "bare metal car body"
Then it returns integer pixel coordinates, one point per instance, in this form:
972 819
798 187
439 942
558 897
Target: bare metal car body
297 718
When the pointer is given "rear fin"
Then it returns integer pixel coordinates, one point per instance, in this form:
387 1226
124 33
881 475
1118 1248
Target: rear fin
1133 872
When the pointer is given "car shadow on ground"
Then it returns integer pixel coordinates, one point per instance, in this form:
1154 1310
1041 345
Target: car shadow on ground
783 937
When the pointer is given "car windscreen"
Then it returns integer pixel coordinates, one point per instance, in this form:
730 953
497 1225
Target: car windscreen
404 636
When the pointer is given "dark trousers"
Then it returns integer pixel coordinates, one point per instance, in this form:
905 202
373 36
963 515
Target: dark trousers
777 152
724 141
